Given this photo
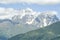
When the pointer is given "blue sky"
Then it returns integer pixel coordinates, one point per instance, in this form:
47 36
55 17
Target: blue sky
35 7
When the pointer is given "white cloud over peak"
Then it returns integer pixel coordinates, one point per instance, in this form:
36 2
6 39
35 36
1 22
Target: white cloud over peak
10 12
31 1
7 12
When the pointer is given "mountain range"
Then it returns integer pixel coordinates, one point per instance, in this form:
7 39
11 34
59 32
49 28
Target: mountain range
30 17
26 20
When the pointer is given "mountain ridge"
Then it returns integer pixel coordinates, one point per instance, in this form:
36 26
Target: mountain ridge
28 16
47 33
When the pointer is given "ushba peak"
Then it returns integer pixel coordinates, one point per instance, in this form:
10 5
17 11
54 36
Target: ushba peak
31 17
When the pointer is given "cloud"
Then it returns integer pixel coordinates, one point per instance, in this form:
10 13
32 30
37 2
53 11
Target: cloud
31 1
10 12
7 12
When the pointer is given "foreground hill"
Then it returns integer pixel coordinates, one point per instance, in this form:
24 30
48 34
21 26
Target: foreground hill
52 32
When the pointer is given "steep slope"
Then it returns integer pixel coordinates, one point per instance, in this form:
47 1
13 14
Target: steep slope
52 32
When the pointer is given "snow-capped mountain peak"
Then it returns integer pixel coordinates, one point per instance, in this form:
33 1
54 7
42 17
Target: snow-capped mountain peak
27 11
40 19
30 17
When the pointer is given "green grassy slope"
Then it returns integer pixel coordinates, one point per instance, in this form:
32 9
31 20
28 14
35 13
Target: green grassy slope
51 32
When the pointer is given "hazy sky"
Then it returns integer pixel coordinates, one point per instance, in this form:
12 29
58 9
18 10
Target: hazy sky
36 5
